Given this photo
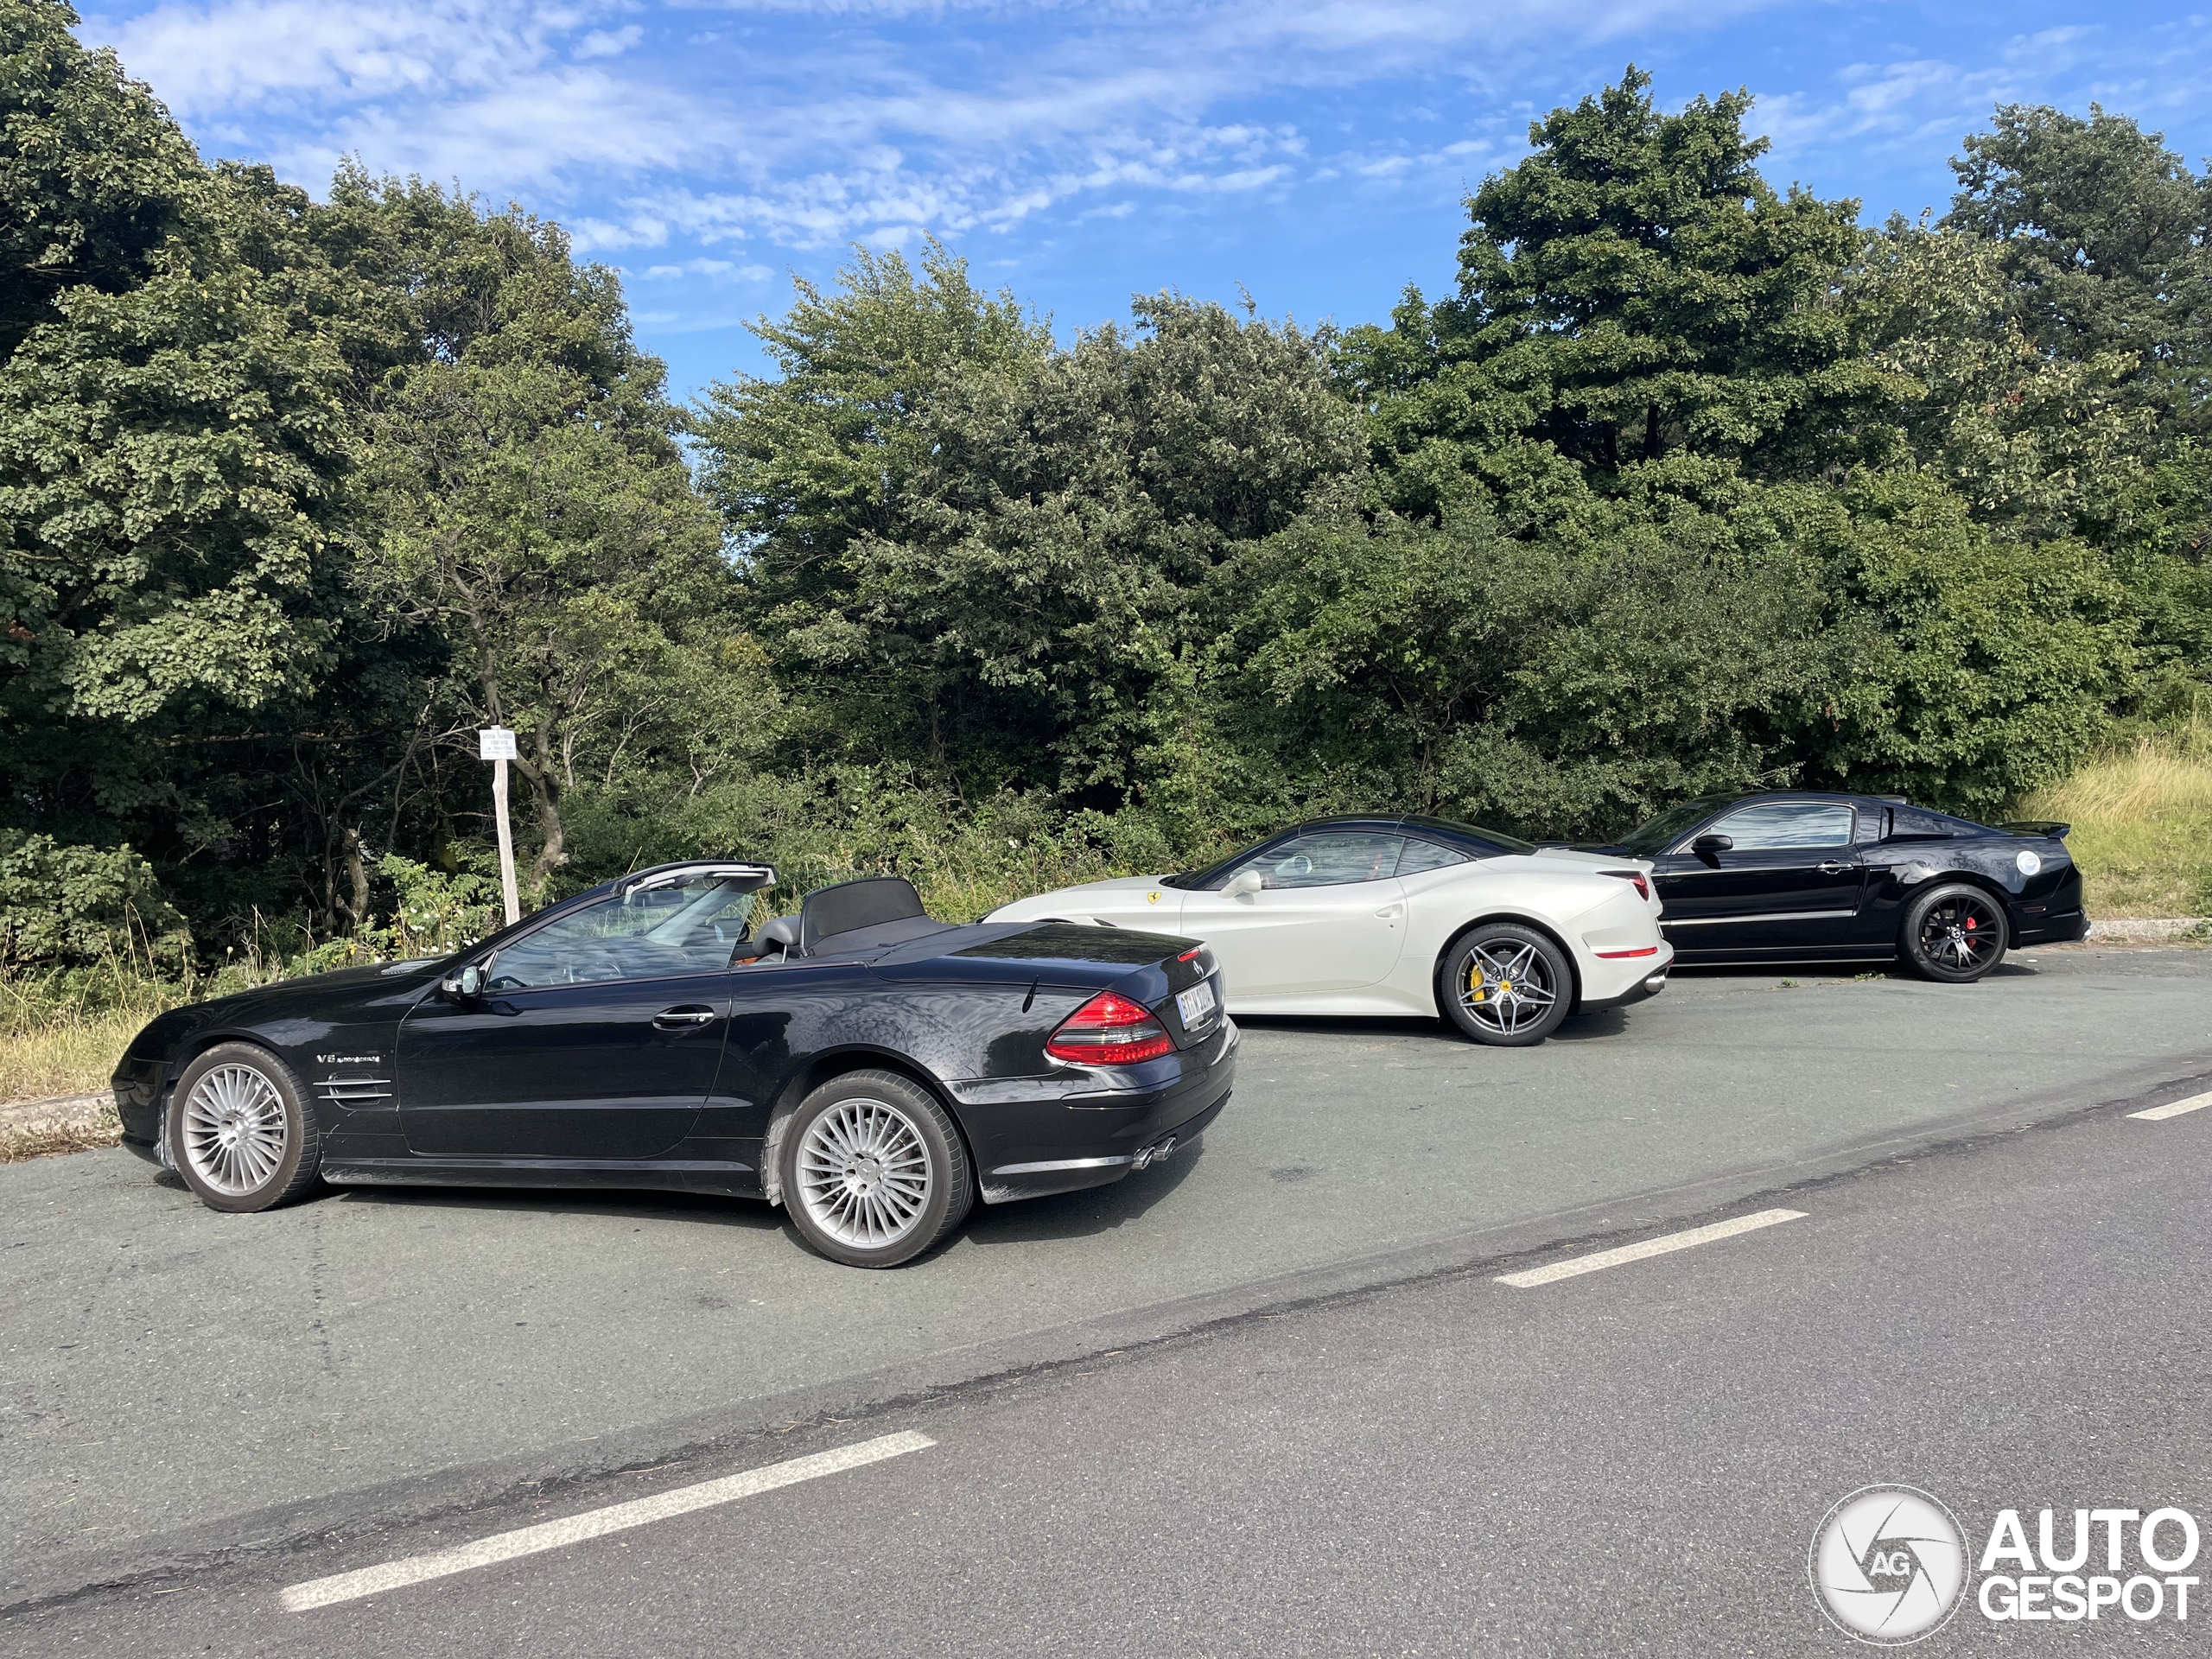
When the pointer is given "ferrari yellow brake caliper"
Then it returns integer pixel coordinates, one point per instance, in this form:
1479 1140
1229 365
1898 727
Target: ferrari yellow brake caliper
1477 991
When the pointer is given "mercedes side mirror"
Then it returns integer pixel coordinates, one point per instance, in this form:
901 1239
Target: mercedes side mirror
464 986
1712 846
1247 880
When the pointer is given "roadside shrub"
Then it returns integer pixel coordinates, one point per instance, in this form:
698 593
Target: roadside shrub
66 906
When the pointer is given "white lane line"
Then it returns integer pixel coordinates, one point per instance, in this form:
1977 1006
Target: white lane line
592 1523
2175 1108
1650 1247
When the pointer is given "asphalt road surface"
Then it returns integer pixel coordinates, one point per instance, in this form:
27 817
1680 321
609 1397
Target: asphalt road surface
200 1408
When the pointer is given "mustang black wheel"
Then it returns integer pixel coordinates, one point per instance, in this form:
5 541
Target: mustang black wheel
1506 985
1955 933
240 1131
873 1172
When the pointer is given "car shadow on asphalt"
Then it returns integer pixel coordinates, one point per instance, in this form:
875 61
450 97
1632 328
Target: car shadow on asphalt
1067 1215
1415 1026
1578 1028
701 1209
1079 1215
1586 1027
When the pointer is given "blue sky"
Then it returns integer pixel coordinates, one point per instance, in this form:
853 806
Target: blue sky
1312 151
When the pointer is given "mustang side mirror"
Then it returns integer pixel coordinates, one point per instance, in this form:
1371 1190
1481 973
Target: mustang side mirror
465 985
1712 846
1245 880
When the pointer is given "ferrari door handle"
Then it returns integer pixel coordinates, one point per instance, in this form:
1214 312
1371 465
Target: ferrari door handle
683 1018
1391 913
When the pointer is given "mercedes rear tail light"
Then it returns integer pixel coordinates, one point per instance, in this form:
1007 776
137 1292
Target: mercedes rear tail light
1110 1030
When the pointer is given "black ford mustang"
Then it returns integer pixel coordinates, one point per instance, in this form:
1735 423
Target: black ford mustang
869 1068
1807 876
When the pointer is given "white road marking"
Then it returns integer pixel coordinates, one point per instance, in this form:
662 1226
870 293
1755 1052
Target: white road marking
592 1523
2175 1108
1650 1247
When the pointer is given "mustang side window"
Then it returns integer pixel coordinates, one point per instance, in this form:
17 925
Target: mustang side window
688 928
1777 825
1327 859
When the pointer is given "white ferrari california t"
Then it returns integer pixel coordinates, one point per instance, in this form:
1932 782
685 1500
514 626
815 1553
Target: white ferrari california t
1402 916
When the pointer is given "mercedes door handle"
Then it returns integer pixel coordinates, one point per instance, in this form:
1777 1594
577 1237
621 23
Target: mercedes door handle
1833 868
683 1018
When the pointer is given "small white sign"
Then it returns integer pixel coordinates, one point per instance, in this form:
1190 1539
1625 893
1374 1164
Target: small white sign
494 743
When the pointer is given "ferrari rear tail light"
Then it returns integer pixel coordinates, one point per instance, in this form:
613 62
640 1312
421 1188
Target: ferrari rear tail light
1110 1030
1634 879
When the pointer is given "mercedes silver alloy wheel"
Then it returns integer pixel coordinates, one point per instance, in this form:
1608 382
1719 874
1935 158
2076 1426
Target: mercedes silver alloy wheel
864 1173
1507 988
234 1129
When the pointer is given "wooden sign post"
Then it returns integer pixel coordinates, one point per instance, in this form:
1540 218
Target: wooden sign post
497 745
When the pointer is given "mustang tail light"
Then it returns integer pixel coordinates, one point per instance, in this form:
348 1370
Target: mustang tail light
1110 1030
1634 879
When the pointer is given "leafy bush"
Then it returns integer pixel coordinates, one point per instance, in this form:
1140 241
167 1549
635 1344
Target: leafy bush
63 907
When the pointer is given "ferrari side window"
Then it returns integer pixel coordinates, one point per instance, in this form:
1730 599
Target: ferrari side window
1328 858
1775 826
1421 856
688 928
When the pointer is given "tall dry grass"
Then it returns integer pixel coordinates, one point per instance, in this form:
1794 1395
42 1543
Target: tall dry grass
63 1034
2142 819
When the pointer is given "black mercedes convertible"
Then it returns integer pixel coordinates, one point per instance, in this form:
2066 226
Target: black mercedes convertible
870 1069
1808 876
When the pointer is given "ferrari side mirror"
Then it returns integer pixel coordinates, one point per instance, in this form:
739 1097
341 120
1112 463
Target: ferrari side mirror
1712 846
1245 880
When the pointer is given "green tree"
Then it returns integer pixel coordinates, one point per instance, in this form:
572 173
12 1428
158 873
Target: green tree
1549 684
173 435
2041 443
524 496
1994 663
1634 291
973 548
96 178
2105 238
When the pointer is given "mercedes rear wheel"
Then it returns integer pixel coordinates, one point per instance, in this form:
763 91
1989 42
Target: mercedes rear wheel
873 1172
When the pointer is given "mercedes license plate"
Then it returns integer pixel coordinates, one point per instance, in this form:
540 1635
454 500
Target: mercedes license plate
1196 1005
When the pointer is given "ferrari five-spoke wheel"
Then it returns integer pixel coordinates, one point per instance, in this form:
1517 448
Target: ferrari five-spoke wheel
1506 985
1955 934
238 1132
873 1172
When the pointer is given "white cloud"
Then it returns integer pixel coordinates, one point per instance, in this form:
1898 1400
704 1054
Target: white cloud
720 270
835 129
1914 103
609 43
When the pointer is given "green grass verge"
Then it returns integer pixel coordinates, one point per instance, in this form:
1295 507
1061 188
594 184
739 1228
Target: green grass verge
2142 820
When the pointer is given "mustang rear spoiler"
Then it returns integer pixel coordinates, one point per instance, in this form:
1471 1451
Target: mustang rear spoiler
2038 827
